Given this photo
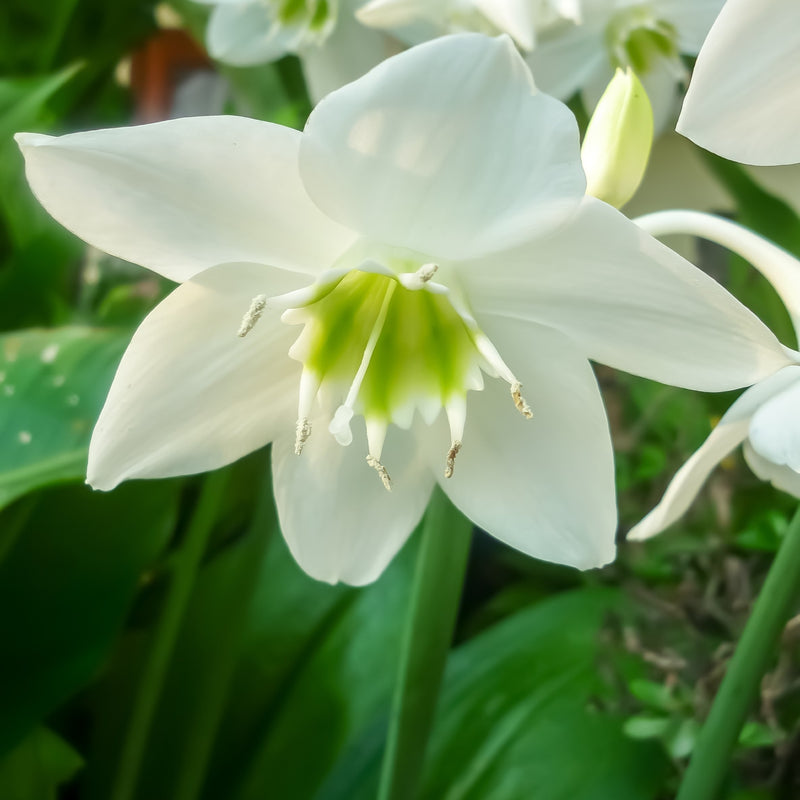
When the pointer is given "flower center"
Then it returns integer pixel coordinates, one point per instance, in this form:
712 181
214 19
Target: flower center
385 342
317 16
637 38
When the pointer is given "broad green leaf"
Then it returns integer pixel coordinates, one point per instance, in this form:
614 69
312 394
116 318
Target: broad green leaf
318 668
66 584
52 387
520 716
37 766
517 712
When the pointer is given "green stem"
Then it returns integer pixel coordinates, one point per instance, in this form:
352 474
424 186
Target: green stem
184 570
711 756
438 579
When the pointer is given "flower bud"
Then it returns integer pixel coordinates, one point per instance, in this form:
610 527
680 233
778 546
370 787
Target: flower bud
618 140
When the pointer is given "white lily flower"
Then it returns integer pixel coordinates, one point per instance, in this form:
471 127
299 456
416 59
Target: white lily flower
430 233
416 21
764 419
333 47
647 35
744 99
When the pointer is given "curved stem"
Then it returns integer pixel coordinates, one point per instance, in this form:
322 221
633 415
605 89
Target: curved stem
185 565
718 737
778 266
436 592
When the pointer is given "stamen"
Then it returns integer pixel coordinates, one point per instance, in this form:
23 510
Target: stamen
345 411
413 281
309 385
454 450
253 315
519 400
456 410
382 473
426 272
302 432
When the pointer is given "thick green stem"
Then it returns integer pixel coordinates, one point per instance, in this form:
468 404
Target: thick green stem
433 607
756 649
185 565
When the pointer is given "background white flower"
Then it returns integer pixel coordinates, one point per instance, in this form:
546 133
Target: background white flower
333 47
765 418
446 157
743 101
649 36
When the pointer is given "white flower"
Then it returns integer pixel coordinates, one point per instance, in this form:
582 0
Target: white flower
333 47
764 419
416 21
649 36
429 230
744 99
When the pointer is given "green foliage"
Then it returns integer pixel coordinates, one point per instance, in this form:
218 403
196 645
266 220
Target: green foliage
52 388
37 766
66 584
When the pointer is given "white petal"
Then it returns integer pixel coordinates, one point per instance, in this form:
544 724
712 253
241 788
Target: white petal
244 34
630 302
775 429
184 195
446 149
727 435
744 98
514 17
783 478
348 53
189 394
543 485
779 267
390 14
563 62
690 478
337 518
691 19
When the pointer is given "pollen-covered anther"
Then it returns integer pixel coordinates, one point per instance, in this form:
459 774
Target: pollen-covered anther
253 315
302 432
450 462
426 272
382 473
519 400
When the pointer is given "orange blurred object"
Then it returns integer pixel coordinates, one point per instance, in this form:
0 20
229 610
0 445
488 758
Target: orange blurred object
158 67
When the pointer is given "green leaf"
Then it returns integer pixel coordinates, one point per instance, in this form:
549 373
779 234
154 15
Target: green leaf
23 107
642 727
66 584
756 734
519 710
52 387
37 766
654 695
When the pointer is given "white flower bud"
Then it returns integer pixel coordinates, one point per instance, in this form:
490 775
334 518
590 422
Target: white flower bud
618 140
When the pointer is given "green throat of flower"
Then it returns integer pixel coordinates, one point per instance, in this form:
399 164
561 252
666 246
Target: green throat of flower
317 16
385 344
637 38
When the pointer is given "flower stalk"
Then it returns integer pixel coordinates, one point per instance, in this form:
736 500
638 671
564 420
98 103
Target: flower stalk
718 737
435 596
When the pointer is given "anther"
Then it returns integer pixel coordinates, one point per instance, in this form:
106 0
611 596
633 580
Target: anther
454 450
253 315
382 473
519 400
426 272
302 432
